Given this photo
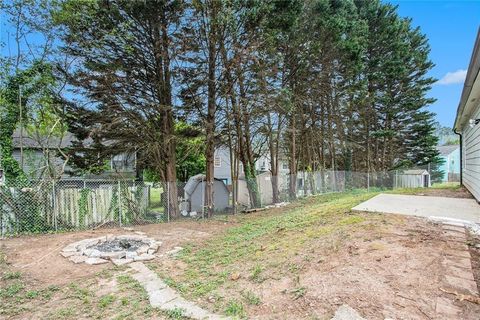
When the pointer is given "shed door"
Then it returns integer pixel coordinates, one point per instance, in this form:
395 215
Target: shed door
425 181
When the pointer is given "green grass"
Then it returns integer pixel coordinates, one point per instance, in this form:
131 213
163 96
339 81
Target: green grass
262 244
156 204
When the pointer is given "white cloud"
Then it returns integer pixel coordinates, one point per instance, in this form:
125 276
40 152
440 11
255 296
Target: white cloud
453 77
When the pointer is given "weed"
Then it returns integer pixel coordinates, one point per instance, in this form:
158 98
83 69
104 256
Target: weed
106 300
251 298
11 275
256 274
65 313
124 301
48 292
12 290
32 294
80 293
235 309
176 313
298 293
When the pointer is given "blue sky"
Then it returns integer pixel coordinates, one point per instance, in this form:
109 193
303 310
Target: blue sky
451 27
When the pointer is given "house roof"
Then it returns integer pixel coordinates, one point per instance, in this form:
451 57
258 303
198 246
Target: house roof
471 87
446 150
38 142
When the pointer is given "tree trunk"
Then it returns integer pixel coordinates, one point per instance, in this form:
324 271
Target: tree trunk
166 122
211 109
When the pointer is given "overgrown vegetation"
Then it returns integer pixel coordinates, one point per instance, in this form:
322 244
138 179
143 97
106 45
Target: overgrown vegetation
328 85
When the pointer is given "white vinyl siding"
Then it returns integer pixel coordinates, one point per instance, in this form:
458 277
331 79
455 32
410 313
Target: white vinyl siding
471 156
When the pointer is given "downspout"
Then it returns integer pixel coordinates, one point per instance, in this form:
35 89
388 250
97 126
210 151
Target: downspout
461 155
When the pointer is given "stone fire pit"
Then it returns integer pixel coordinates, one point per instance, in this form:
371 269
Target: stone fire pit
119 250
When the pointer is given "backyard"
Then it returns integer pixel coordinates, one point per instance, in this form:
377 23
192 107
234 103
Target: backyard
301 261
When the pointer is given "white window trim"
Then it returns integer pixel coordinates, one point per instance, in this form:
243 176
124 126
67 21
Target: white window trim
217 162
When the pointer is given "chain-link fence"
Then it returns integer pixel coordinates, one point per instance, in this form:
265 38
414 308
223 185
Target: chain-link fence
78 204
49 206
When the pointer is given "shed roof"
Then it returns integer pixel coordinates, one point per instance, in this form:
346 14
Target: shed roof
195 180
415 172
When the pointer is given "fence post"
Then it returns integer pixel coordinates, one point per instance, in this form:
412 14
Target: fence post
203 198
54 198
119 203
168 201
368 181
396 180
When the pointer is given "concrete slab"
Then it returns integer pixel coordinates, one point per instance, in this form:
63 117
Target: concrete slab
423 206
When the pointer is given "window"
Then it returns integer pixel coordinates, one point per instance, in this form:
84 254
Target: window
300 183
284 165
263 166
120 162
217 162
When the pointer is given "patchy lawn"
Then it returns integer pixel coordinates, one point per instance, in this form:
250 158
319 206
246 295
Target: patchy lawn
305 260
107 294
297 262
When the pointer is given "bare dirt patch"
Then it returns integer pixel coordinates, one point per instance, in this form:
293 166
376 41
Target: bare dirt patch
39 256
455 192
36 282
384 266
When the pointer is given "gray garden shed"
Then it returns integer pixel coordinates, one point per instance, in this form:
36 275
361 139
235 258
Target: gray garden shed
413 179
195 194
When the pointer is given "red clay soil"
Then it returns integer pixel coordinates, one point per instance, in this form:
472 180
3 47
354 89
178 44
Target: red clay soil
396 273
39 258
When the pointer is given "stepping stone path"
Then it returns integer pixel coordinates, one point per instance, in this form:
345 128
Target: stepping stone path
165 298
458 272
345 312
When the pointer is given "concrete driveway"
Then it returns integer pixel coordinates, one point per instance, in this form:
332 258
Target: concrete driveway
423 206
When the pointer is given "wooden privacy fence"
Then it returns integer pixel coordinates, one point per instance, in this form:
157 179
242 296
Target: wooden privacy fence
72 205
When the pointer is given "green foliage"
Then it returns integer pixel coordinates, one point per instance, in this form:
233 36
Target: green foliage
190 151
33 86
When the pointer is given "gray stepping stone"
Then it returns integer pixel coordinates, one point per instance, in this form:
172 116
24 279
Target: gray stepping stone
345 312
162 296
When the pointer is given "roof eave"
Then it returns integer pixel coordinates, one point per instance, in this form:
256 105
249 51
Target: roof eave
472 76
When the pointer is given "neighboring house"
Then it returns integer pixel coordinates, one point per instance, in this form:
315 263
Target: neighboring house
451 164
223 163
31 153
467 125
